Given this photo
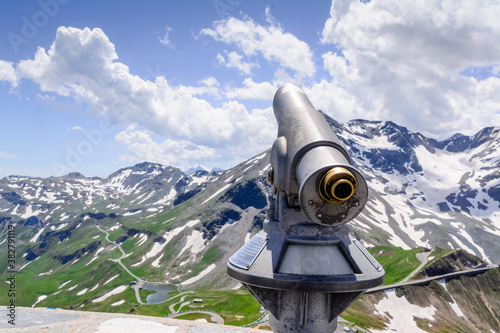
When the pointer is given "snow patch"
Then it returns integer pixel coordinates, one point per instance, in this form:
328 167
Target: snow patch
462 245
156 263
265 170
64 283
81 292
169 197
91 261
26 264
402 313
110 279
50 197
194 241
143 238
113 292
46 273
199 276
132 213
453 305
118 303
158 247
40 298
34 239
465 235
29 212
216 193
59 227
192 223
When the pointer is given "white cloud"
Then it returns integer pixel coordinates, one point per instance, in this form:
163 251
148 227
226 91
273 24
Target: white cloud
8 72
82 64
271 42
164 40
253 90
76 128
141 147
402 61
209 86
234 60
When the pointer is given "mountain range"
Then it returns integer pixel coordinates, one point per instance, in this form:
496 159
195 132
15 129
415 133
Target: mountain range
181 227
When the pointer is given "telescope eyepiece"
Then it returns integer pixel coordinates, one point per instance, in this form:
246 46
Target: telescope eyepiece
337 185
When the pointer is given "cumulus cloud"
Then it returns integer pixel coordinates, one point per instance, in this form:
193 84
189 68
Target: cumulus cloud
8 73
271 42
403 62
433 66
253 90
141 147
235 60
83 64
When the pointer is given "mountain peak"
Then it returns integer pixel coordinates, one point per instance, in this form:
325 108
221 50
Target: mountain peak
197 168
75 175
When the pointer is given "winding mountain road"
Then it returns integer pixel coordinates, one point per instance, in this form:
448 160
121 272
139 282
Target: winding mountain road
215 317
184 294
422 256
140 281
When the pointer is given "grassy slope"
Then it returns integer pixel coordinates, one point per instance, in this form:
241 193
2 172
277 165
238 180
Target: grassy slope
398 263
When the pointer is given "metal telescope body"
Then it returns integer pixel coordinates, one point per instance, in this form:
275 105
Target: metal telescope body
304 267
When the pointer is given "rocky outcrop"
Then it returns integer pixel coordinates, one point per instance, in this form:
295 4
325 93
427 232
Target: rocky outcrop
92 247
457 260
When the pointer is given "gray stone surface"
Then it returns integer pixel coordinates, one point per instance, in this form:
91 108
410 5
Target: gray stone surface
43 320
25 318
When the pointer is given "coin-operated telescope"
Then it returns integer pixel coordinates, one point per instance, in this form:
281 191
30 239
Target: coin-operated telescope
304 267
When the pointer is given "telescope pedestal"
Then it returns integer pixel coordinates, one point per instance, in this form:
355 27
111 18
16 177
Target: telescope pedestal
302 312
305 281
304 267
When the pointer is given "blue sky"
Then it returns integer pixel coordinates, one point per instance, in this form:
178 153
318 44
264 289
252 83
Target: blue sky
92 86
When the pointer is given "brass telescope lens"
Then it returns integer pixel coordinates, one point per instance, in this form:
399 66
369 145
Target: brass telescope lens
337 185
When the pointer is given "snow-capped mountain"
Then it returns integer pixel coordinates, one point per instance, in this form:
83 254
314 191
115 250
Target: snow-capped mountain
425 192
59 199
178 227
